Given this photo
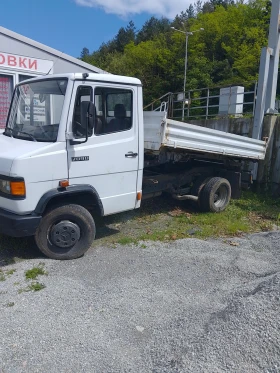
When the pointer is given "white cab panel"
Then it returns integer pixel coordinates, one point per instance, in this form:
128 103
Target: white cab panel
102 162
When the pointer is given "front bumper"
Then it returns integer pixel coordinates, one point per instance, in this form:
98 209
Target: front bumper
18 225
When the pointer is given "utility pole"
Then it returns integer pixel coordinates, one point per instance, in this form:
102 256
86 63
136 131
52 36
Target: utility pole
268 72
187 34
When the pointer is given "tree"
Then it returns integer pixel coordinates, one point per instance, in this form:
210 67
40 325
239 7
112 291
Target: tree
198 7
84 53
190 11
226 52
152 28
125 36
179 20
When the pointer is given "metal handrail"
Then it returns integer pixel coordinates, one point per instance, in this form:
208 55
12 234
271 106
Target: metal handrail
210 108
157 100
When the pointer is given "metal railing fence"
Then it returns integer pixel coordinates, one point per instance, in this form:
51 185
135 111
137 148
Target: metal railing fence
206 102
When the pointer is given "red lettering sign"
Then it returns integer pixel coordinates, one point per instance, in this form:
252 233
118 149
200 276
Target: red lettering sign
12 61
22 62
32 64
25 63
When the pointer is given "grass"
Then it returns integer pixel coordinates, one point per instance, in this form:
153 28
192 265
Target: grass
34 286
4 274
10 272
32 274
126 240
10 304
251 213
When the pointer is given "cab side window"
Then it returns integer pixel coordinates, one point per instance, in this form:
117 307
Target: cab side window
114 110
83 96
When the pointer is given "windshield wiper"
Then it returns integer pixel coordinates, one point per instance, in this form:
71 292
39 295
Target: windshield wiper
22 132
25 133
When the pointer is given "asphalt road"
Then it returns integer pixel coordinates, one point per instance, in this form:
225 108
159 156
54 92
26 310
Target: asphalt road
184 306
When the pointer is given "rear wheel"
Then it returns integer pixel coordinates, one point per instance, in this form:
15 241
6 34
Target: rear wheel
65 232
215 195
197 188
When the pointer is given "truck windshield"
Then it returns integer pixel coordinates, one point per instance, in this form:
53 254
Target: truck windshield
36 110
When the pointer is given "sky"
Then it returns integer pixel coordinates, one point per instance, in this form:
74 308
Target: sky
70 25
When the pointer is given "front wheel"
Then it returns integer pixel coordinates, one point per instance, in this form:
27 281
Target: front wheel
65 232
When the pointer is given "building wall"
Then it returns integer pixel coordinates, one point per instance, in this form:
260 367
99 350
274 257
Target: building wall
20 60
61 65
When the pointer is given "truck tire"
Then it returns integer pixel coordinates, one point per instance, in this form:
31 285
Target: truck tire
215 195
197 188
66 232
199 184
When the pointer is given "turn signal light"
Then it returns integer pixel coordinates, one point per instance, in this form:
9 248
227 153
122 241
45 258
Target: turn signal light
64 183
18 188
139 196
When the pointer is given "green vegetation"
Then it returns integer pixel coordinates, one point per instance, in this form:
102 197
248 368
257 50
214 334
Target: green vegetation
34 286
226 52
10 304
10 272
164 219
251 213
126 240
4 274
32 274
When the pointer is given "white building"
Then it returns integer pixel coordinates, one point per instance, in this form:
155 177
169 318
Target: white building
22 58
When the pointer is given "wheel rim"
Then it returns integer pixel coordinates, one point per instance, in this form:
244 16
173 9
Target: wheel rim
221 196
65 234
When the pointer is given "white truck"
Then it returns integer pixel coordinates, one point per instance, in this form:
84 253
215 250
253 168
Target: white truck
76 143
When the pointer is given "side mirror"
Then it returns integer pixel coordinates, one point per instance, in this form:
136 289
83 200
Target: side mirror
84 116
91 116
87 119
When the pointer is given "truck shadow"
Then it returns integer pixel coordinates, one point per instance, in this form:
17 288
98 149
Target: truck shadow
164 205
13 250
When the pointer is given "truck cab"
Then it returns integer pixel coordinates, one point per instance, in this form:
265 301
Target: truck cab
72 139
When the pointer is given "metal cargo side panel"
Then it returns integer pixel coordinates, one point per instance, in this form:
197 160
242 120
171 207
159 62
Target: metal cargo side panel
201 139
153 129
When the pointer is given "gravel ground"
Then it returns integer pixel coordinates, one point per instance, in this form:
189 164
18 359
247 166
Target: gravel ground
184 306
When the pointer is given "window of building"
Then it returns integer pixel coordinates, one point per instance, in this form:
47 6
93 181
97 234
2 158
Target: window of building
6 91
21 78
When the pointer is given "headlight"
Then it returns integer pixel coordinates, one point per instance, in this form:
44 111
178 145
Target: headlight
5 186
12 187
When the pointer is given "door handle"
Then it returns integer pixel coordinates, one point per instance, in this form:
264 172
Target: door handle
131 155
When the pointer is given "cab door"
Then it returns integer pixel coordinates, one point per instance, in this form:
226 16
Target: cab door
109 160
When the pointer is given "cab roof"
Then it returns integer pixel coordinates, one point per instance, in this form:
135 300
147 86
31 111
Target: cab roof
91 77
